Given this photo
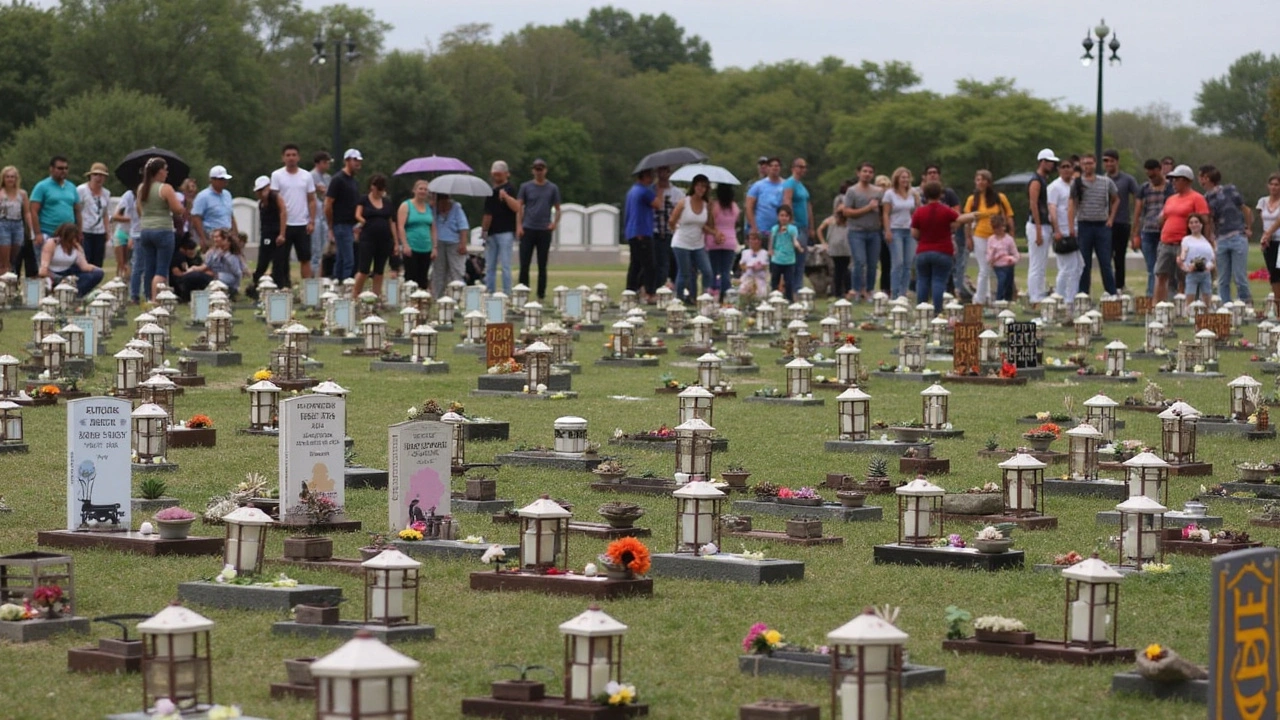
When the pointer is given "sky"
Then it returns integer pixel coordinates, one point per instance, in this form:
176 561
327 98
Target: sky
1167 47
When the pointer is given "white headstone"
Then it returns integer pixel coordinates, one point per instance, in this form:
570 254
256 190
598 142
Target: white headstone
90 329
495 310
99 471
311 292
573 304
419 454
312 435
344 315
472 298
32 292
279 307
199 305
391 292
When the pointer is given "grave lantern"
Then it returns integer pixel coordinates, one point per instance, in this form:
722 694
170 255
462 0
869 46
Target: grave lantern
1239 311
1126 306
42 324
765 317
709 370
594 308
703 329
544 535
1141 528
879 304
176 661
458 433
144 347
1188 356
330 388
1117 352
537 358
1080 304
799 378
128 372
519 296
298 336
696 401
693 448
570 435
854 408
167 299
1245 392
49 304
739 350
940 331
843 310
848 363
1269 307
54 348
10 423
474 322
75 340
65 293
1095 321
675 316
407 289
622 338
159 390
1003 319
561 343
424 340
989 346
663 296
1082 449
796 311
455 289
1265 329
933 406
218 329
532 315
1100 412
866 669
1155 336
1194 309
391 589
364 680
408 319
155 335
164 319
1001 305
638 318
805 297
246 539
150 433
1084 331
420 299
1092 604
794 328
953 312
627 301
1164 311
911 353
1178 432
923 314
100 311
1147 475
779 305
829 327
592 655
285 363
218 300
801 344
1208 341
919 512
707 305
697 515
1022 480
264 399
602 290
374 330
899 319
9 375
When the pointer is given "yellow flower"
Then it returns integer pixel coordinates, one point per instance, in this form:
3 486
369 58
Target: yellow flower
625 695
262 375
410 534
1153 652
773 637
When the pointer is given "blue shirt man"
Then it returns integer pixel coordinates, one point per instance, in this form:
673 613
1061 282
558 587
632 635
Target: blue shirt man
639 208
213 208
764 197
54 200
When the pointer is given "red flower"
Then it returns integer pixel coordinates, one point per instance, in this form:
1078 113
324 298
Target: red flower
1008 369
47 595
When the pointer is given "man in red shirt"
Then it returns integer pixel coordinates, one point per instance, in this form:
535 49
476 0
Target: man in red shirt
931 226
1173 226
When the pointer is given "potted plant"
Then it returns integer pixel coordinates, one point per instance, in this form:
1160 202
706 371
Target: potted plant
317 510
625 558
151 496
377 543
851 498
996 629
1255 472
610 471
992 541
909 431
736 476
878 472
805 496
621 514
298 670
521 689
765 491
1042 436
174 523
481 487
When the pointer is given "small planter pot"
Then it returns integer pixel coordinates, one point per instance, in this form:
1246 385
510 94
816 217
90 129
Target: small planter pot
804 528
308 548
1009 638
1254 475
173 529
736 523
993 547
851 499
1039 444
736 479
802 502
315 615
370 552
481 489
518 690
610 477
298 670
618 573
621 515
909 434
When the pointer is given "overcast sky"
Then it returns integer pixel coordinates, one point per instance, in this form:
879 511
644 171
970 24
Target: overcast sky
1034 41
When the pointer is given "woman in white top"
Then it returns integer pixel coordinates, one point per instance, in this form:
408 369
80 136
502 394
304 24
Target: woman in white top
13 210
65 256
1269 211
689 221
95 213
896 207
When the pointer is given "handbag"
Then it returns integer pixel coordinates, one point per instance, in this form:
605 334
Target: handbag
1065 245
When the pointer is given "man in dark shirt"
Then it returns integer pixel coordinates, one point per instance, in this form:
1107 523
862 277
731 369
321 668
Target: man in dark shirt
1121 230
340 203
187 271
498 228
1230 220
539 201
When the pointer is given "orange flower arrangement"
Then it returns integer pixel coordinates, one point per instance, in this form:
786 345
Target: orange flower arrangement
53 390
629 553
200 421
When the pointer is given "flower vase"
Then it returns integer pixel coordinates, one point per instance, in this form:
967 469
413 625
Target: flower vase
618 572
1040 444
993 547
174 529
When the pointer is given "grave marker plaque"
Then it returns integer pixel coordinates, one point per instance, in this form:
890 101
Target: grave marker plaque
495 310
312 441
1244 647
32 292
973 313
311 292
1111 310
391 292
90 329
199 306
1219 323
572 305
1143 305
966 348
1022 345
344 315
99 470
472 298
420 455
279 307
499 342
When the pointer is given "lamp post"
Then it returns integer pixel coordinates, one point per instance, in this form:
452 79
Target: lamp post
321 57
1102 32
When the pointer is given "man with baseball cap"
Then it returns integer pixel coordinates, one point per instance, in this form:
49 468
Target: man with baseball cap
95 201
536 218
498 227
1173 226
213 209
340 203
1039 228
271 222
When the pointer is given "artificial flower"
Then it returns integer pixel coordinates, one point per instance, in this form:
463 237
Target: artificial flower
620 694
989 533
708 549
227 575
410 534
414 411
629 553
1154 652
1154 567
495 553
261 375
472 539
200 421
12 613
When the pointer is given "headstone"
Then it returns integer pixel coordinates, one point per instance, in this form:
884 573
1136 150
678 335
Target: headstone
1020 340
573 305
32 292
1244 683
495 310
499 342
1112 310
199 306
312 441
279 307
966 349
90 329
472 298
311 292
344 315
1143 305
1219 323
99 471
972 313
419 454
391 292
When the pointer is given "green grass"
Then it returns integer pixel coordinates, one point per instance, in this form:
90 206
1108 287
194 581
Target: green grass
682 647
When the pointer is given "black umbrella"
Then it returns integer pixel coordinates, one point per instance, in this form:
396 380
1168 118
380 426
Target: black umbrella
671 157
129 171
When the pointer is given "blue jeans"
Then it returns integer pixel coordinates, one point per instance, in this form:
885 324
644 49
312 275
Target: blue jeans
86 280
344 264
318 238
1233 264
960 263
782 275
1004 282
1198 284
865 246
11 233
1095 237
932 271
688 264
497 252
155 251
1150 244
722 269
135 271
901 253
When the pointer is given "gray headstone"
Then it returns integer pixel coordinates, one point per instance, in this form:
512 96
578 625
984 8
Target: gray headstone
391 292
419 455
199 306
99 471
1023 347
32 292
344 315
279 307
495 310
1243 675
573 305
312 430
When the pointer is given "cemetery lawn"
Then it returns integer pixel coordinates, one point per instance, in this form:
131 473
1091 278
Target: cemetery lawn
682 648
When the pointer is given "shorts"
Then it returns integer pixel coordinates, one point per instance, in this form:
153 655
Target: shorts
1269 257
1198 283
374 252
297 237
1167 258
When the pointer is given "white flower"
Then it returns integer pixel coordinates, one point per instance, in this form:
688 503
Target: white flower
1197 369
10 612
473 539
145 529
525 389
590 570
618 434
542 387
414 411
493 554
227 575
223 712
413 358
989 533
709 549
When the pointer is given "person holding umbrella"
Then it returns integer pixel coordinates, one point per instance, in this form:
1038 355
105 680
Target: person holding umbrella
449 253
535 221
417 232
638 212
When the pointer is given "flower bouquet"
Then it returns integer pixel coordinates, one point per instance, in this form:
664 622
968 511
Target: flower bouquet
626 558
761 640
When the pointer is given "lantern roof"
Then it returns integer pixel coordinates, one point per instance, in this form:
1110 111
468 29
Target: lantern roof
264 386
1082 320
797 325
842 303
702 320
53 339
423 330
848 349
373 320
149 410
1101 400
391 559
623 325
219 315
694 425
138 344
452 417
799 363
537 348
853 393
1006 314
1022 461
709 358
532 305
1179 409
448 300
988 335
1141 504
1206 333
1093 570
920 487
41 316
9 360
175 620
731 311
567 422
329 387
158 380
1145 460
935 390
695 391
1085 430
698 490
544 508
1155 325
593 623
1244 381
1116 345
828 320
867 629
144 318
364 656
165 294
71 329
899 309
247 515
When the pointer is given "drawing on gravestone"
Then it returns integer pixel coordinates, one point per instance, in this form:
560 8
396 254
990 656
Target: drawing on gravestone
1219 323
1111 310
90 328
419 453
972 313
966 347
99 471
1143 304
1023 348
1243 641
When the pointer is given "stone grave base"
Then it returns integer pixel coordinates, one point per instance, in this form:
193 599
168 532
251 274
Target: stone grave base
328 527
726 568
13 447
752 369
1172 519
599 587
632 362
1049 457
894 554
279 691
638 486
929 376
832 385
110 657
348 628
24 631
348 566
818 666
484 507
155 467
556 395
150 545
604 531
1228 427
188 380
467 348
1203 549
79 367
249 597
572 367
409 367
1194 691
651 349
1033 522
826 511
516 382
589 327
986 379
215 358
358 476
785 539
193 437
337 340
1192 469
1116 379
718 444
28 401
924 466
189 715
1195 375
796 401
771 709
546 458
547 707
1042 650
1117 491
450 549
272 432
667 390
891 447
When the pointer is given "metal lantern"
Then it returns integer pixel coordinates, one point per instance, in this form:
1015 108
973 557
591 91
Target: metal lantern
537 358
703 329
707 305
638 318
1022 481
364 679
1164 312
164 319
422 300
1084 331
1095 322
953 312
628 300
797 311
1265 335
1126 306
544 535
843 310
1239 311
709 370
1155 336
1178 433
794 328
424 340
264 399
1147 475
570 435
693 448
799 378
1195 309
940 331
1003 320
622 338
519 296
374 330
829 328
167 299
144 347
65 293
738 349
474 322
75 340
561 343
1188 356
923 314
1082 451
218 300
100 311
696 401
1245 396
11 423
532 316
899 318
458 433
298 336
218 329
676 316
285 363
594 308
933 406
1269 307
765 318
602 290
246 539
1208 341
866 669
408 319
559 294
1100 412
155 335
989 346
919 512
698 506
1117 352
455 289
42 324
911 353
853 407
128 372
159 390
150 433
1141 529
801 344
54 348
9 376
1081 304
592 655
391 589
1092 604
805 297
176 661
848 364
879 303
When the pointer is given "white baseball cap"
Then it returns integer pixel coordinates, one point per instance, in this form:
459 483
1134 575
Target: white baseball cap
1182 171
498 166
261 182
352 154
1047 154
218 172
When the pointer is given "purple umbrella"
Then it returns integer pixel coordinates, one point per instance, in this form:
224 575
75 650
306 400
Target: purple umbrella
433 164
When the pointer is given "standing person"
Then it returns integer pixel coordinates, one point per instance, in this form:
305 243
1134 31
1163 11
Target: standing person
320 163
984 203
784 245
498 228
896 208
95 204
53 201
690 222
379 234
449 253
755 269
795 194
1173 226
1121 228
639 209
1066 249
340 202
934 225
63 256
128 230
226 261
763 199
1092 209
885 260
1003 257
157 204
1269 211
187 194
957 283
417 232
213 208
1167 165
14 212
1039 229
298 190
664 262
1196 260
536 217
834 232
1230 220
862 208
1149 203
722 243
271 221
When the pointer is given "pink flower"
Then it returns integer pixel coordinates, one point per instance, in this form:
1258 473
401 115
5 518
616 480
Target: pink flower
752 634
786 493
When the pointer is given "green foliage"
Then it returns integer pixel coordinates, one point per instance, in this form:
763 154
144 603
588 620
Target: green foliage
649 42
26 36
956 618
524 670
878 467
566 146
490 123
152 488
1235 104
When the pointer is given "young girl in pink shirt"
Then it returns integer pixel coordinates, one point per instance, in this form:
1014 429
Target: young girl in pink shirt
1002 256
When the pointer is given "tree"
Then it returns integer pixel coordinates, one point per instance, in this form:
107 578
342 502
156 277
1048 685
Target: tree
1235 104
490 113
573 166
26 34
649 42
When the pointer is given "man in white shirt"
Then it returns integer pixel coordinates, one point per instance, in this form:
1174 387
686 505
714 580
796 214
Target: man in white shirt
1070 264
320 176
297 189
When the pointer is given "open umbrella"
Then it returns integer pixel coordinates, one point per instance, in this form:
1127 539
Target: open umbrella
460 185
432 164
1016 179
670 157
714 173
129 171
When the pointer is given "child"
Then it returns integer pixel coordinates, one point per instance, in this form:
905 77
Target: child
1002 256
784 243
755 269
835 232
1196 259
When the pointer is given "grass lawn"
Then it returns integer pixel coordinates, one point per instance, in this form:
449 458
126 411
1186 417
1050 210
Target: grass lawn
682 647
